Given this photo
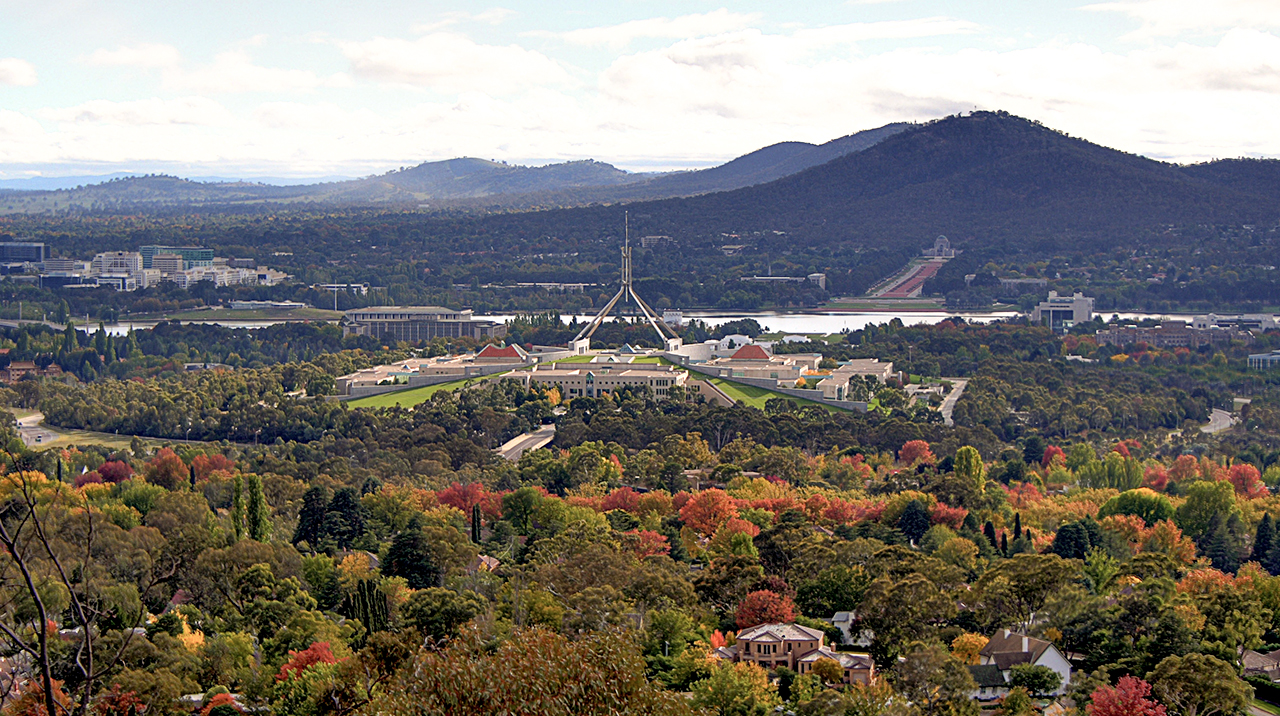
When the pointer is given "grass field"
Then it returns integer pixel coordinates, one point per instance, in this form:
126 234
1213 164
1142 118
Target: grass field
412 396
1264 706
756 397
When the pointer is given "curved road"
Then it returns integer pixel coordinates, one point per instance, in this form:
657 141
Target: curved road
32 432
1219 420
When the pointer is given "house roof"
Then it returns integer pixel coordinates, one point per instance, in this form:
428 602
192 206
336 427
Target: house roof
1256 660
751 351
847 660
988 676
1007 648
725 652
779 632
512 351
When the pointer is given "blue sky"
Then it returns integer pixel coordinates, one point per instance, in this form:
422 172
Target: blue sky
284 88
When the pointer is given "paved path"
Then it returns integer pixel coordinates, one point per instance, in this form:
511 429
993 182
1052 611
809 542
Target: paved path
949 402
32 432
515 447
1219 420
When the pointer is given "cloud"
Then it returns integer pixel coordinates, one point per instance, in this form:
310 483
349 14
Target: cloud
492 16
142 113
145 55
230 72
696 25
1174 17
14 71
693 101
449 62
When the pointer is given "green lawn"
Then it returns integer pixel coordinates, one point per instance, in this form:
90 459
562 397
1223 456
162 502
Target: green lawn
1264 706
756 397
412 396
575 359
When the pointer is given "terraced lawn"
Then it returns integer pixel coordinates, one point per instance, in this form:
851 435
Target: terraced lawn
756 396
412 396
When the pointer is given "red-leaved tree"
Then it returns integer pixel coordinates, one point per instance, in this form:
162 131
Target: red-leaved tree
463 497
1247 480
317 653
115 471
1126 698
1051 453
206 465
764 607
916 452
166 470
706 510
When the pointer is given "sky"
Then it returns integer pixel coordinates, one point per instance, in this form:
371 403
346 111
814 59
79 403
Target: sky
293 88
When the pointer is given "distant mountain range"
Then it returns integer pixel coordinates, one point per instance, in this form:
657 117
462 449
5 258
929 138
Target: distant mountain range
464 182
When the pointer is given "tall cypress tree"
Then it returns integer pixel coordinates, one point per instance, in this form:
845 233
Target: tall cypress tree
989 530
475 524
1017 526
257 511
1264 539
237 507
409 556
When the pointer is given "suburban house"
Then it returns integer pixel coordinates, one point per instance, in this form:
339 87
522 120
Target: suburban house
18 370
1265 665
796 647
1008 649
858 668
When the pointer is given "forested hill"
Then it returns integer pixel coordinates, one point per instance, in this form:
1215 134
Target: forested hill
987 179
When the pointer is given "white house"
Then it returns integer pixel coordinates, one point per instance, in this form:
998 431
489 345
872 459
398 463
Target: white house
1008 649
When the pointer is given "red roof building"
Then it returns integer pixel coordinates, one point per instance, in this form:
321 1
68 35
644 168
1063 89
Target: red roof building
502 354
751 351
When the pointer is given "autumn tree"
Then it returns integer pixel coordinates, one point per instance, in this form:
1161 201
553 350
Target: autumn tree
166 470
934 680
764 607
705 511
1127 698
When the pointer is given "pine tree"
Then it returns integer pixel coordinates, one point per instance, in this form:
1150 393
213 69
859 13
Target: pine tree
257 511
237 507
315 502
1017 526
1220 548
475 524
1263 540
409 556
1004 543
989 530
192 469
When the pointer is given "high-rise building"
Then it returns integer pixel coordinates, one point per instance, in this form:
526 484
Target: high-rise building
15 251
418 323
192 256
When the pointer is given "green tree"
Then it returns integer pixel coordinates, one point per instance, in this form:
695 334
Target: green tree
257 511
741 689
438 613
409 556
934 680
237 506
914 521
1263 539
969 467
1199 685
315 502
1205 500
1151 506
1037 680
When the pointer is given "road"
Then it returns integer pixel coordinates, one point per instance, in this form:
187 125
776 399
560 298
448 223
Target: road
515 447
1219 420
32 432
949 402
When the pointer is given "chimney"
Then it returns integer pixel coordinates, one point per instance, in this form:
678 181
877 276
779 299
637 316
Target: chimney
1006 633
1025 645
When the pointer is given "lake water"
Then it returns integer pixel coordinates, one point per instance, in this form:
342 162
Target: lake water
773 321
